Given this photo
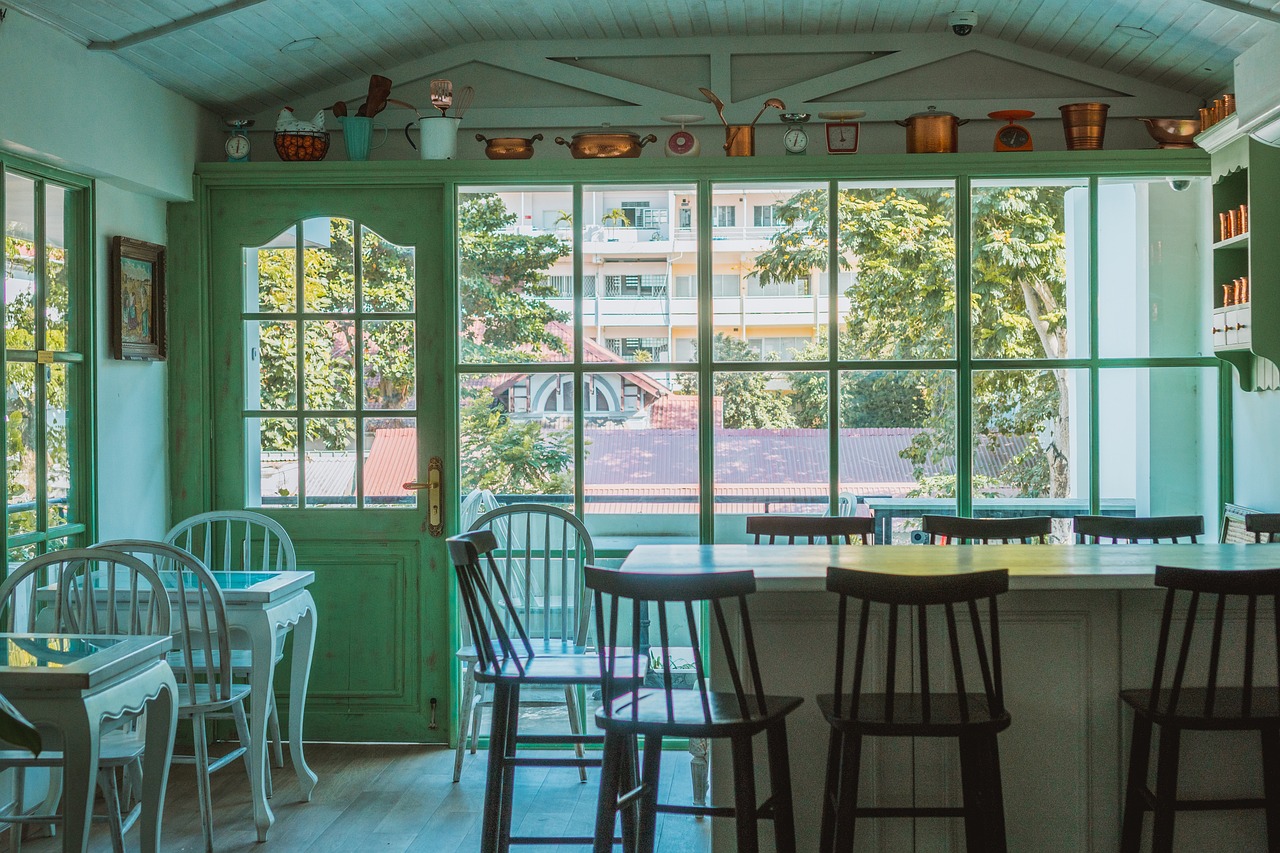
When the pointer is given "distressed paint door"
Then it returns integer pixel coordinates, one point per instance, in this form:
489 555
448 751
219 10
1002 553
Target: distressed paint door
329 397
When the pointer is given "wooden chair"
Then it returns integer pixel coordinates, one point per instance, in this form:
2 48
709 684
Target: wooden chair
814 529
955 530
698 713
1176 702
202 662
1233 531
1265 526
1096 529
241 541
98 592
508 659
973 717
541 551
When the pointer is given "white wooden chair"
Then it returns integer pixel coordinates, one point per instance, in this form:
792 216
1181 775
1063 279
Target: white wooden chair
241 540
541 552
87 580
202 662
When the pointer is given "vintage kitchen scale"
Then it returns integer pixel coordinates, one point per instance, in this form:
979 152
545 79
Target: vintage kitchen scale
682 143
1012 137
842 130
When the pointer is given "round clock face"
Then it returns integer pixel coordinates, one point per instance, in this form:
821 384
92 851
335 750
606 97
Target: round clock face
237 147
682 143
795 140
1013 137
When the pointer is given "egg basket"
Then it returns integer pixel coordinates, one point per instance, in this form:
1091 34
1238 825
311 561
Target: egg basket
302 146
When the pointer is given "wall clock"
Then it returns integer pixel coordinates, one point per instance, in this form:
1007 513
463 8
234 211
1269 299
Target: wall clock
682 143
842 130
1012 137
237 145
795 140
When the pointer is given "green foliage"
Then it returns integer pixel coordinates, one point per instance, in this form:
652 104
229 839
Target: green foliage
876 398
747 400
508 456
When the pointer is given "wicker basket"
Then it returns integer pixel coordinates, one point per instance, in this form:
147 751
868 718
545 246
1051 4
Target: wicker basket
302 145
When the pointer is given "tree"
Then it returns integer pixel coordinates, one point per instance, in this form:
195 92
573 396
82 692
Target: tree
874 398
507 456
901 244
747 400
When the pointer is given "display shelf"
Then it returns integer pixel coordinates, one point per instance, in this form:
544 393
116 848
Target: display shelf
1240 242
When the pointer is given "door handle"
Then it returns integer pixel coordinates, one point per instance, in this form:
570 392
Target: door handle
435 496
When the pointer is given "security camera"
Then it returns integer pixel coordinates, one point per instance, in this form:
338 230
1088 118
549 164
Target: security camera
1179 185
962 23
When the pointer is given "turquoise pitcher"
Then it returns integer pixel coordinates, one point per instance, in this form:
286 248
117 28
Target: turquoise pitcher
357 136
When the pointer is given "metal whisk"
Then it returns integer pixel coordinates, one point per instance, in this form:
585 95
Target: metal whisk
463 101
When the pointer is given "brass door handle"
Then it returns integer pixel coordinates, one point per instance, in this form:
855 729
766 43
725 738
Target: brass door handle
435 498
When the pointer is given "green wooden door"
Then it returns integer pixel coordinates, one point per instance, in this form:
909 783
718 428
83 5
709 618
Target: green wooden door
328 398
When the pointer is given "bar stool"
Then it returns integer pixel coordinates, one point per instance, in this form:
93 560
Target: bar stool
1265 526
1095 529
814 529
954 530
697 713
507 660
973 718
1175 706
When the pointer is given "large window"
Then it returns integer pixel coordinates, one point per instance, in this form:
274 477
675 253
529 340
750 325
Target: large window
45 394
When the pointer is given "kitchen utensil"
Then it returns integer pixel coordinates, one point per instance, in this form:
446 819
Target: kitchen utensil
716 102
1173 132
739 140
438 135
682 143
772 102
441 95
1084 125
379 89
508 147
592 144
357 136
462 102
339 108
932 132
1012 137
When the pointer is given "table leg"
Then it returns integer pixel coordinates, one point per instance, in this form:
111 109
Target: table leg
262 637
304 635
80 733
161 721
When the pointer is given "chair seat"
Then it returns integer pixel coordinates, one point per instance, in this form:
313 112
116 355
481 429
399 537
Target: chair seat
116 749
556 668
645 712
1227 714
908 715
468 654
202 702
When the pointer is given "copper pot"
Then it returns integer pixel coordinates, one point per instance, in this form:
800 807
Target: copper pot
588 144
508 147
932 132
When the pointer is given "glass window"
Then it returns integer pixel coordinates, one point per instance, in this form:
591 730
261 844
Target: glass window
764 215
724 215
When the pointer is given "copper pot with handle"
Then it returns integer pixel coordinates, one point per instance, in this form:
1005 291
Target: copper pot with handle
508 147
592 144
933 132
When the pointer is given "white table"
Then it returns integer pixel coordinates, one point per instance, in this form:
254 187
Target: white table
1079 623
70 685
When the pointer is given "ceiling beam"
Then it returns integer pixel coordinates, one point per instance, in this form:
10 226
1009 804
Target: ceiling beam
1246 9
174 26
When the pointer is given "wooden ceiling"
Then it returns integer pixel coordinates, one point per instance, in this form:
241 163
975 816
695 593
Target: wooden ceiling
226 54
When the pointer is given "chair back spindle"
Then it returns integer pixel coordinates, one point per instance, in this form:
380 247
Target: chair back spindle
1111 529
235 540
492 621
1265 526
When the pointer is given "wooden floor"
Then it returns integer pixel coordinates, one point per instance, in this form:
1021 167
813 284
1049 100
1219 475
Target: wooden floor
394 799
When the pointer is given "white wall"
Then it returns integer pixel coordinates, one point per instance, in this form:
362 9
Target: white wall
91 114
1257 465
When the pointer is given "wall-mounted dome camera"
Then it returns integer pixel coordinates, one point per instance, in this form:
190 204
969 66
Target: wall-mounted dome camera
962 23
1179 185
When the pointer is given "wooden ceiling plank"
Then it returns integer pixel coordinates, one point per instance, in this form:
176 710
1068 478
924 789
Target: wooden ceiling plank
352 28
1247 9
174 26
1064 20
430 32
394 39
1200 35
1015 28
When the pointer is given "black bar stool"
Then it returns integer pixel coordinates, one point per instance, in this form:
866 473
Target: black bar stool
696 713
1176 707
507 659
954 530
814 529
1094 529
973 718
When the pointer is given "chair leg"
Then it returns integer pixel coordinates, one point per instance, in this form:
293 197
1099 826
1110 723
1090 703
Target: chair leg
273 735
744 796
650 776
203 788
847 799
1271 786
1166 789
630 777
698 747
830 791
508 769
493 783
111 799
477 715
575 725
993 795
610 784
975 828
464 718
1135 805
784 823
19 791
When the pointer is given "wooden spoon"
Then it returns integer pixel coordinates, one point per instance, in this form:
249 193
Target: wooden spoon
379 89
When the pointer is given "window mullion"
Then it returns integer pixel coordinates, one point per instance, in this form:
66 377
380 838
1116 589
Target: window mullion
578 382
833 344
299 359
964 347
357 344
41 372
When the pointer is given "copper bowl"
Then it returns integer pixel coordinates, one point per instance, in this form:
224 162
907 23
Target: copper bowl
508 147
1173 132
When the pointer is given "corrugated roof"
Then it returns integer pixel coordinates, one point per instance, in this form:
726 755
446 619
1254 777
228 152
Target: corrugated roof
680 411
392 462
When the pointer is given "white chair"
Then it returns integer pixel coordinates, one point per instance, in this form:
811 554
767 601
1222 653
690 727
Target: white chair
206 686
241 540
98 592
541 552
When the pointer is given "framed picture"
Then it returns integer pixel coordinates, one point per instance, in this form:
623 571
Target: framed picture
137 300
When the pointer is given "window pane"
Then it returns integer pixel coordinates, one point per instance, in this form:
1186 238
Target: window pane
271 462
271 365
390 461
328 265
511 242
897 447
389 364
57 267
516 436
329 364
1030 259
766 460
271 274
1152 265
58 426
20 446
641 458
898 240
1158 449
330 462
20 262
642 265
764 277
387 272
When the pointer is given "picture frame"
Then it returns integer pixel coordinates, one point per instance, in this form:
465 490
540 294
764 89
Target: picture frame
138 300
